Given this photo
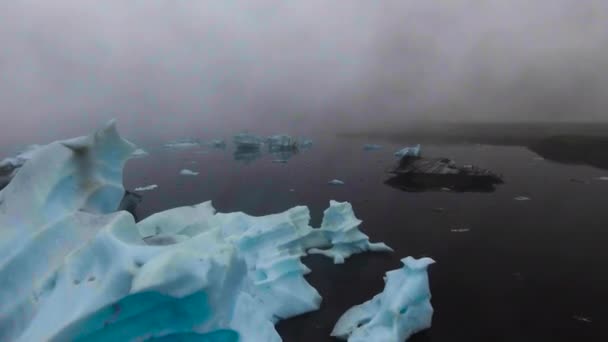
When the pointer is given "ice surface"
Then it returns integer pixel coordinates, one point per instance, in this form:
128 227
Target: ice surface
335 182
147 187
187 172
402 309
412 151
10 166
371 147
74 269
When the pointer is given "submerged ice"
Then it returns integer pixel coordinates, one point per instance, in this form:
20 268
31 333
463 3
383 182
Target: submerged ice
72 268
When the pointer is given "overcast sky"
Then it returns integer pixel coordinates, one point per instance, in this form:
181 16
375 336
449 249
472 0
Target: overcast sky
183 66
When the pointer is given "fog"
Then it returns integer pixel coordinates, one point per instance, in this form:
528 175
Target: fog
173 68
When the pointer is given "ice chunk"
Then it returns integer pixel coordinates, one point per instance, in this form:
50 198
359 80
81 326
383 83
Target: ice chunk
183 143
247 141
603 178
402 309
306 143
522 198
281 142
187 172
139 153
412 151
147 187
371 147
335 182
73 269
217 143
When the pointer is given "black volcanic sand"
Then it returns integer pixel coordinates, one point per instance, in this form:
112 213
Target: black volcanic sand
524 271
572 143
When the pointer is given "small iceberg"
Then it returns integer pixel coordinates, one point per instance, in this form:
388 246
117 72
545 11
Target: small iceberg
185 143
247 142
371 147
219 144
139 153
401 310
522 198
147 187
335 182
603 178
281 142
187 172
412 151
306 143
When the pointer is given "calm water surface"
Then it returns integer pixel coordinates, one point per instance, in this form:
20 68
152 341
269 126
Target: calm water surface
523 272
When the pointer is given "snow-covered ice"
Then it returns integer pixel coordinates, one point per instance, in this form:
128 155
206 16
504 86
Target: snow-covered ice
72 268
402 309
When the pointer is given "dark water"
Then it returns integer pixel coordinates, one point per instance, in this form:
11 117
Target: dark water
523 272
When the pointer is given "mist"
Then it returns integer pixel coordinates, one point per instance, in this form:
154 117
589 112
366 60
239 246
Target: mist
174 68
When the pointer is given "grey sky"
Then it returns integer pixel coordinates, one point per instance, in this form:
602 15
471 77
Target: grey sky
177 67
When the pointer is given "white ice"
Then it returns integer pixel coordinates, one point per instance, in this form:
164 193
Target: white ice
147 187
412 151
187 172
335 182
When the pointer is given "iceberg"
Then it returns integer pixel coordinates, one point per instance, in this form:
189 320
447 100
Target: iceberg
401 310
147 187
217 143
139 153
186 172
412 151
335 182
10 166
247 142
184 143
73 268
306 143
281 142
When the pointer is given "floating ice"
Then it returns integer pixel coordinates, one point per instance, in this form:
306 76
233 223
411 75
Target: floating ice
371 147
335 182
603 178
183 143
217 143
306 143
246 141
413 151
139 153
147 187
281 142
73 269
402 309
187 172
522 198
460 230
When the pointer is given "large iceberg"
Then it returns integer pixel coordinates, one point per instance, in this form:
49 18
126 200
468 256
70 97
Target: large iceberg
401 310
72 268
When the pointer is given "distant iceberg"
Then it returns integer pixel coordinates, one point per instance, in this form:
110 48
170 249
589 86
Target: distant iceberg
281 142
217 143
184 143
247 141
306 143
139 153
74 269
401 310
335 182
412 151
147 187
187 172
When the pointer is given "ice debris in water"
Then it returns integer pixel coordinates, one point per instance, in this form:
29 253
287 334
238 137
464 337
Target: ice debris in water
413 151
335 182
522 198
139 153
371 147
74 269
187 172
603 178
147 187
183 143
401 310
